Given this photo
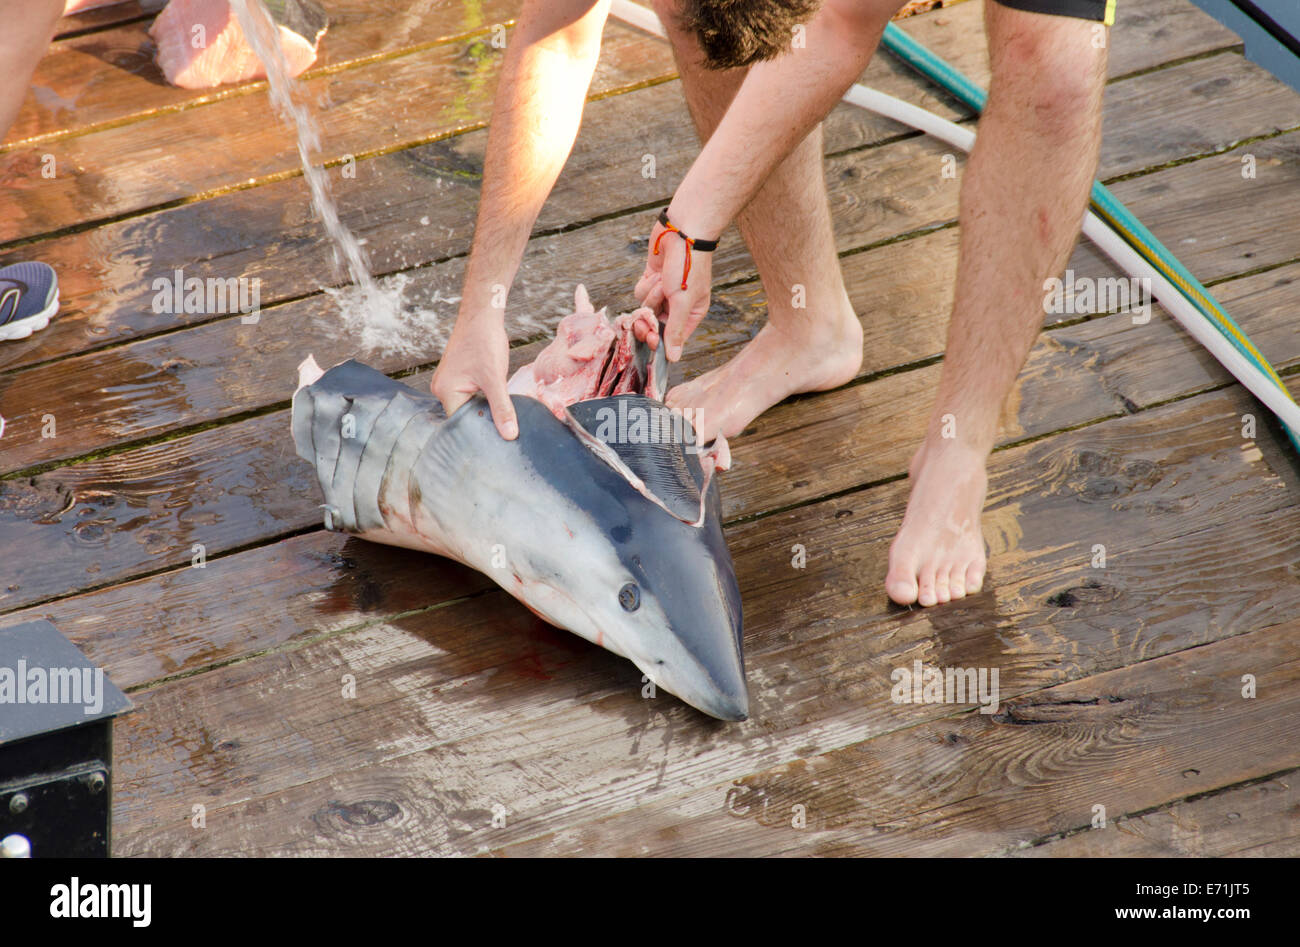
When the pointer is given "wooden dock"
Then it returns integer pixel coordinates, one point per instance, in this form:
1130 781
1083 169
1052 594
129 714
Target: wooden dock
138 441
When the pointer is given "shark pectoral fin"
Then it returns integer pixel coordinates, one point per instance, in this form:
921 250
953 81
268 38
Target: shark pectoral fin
651 446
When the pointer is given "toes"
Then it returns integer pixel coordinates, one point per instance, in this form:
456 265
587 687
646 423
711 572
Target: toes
901 587
679 396
900 582
975 577
957 582
926 595
942 592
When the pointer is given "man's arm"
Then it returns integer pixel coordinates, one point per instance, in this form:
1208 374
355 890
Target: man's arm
778 104
549 62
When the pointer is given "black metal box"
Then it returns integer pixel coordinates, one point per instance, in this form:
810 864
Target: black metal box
56 746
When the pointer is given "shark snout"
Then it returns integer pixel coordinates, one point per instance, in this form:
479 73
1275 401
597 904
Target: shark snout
699 656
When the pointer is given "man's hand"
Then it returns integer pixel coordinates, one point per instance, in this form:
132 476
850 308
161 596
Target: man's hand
477 359
660 288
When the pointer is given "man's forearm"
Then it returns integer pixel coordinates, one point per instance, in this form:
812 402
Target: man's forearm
549 64
777 106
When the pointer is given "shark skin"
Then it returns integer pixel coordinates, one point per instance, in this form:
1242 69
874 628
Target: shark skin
613 539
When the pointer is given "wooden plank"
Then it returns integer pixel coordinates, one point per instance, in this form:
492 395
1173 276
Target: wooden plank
128 536
230 115
1199 107
190 375
189 618
1148 364
110 76
254 146
295 573
1147 34
1199 232
1177 622
103 521
269 234
91 80
102 18
1258 820
977 785
819 648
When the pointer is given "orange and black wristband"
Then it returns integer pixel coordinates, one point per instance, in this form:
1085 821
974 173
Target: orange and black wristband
704 246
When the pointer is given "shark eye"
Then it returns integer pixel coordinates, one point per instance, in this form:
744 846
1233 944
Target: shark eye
629 596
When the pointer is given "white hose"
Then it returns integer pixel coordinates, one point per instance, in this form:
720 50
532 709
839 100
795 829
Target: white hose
1094 228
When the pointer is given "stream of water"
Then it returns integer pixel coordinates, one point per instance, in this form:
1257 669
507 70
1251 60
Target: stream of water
371 311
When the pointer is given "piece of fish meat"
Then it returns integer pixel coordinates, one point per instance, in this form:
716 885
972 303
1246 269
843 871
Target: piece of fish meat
603 517
590 357
201 45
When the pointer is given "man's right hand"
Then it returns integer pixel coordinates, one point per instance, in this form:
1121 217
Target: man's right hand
477 358
660 288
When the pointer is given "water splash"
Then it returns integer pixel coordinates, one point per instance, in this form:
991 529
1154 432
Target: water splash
371 310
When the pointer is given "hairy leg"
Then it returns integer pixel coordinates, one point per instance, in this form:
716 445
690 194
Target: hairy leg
28 27
1022 202
812 340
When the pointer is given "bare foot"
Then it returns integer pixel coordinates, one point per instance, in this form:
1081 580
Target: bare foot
795 355
938 554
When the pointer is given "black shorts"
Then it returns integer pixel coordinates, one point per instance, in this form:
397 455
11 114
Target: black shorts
1103 11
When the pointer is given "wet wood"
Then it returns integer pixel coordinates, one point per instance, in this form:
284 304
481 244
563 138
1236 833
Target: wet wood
465 701
107 274
103 18
812 649
110 76
212 611
84 514
255 147
184 378
978 784
776 465
326 583
1257 820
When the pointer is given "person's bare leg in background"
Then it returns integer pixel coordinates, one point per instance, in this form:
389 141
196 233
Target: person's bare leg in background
1022 202
26 34
787 227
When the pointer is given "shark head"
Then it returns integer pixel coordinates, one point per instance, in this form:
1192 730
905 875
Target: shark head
677 615
629 555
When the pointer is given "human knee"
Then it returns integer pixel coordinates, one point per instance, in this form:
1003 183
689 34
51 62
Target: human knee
1056 75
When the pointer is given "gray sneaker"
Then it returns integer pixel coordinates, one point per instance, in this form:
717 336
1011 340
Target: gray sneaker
29 296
